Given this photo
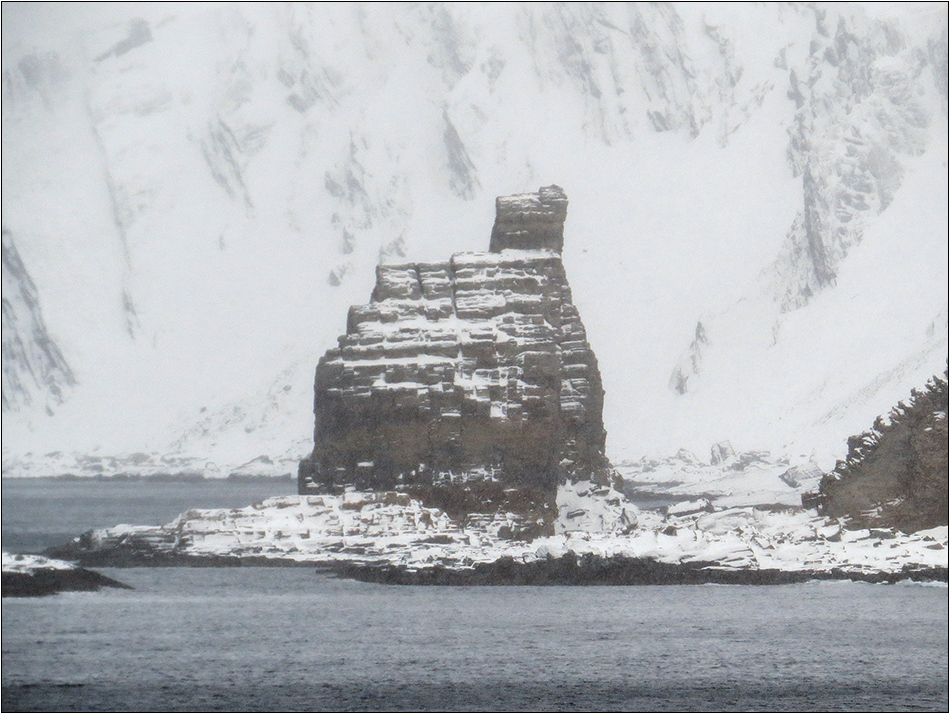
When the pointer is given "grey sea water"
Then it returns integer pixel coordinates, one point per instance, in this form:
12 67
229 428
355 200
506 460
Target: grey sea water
42 512
289 639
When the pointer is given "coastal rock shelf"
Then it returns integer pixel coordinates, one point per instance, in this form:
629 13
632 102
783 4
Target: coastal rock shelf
390 530
476 369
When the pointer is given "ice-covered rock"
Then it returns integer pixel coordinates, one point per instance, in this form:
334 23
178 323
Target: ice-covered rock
593 508
20 563
750 478
392 529
355 526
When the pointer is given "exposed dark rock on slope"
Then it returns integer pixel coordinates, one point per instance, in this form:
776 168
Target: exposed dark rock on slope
530 221
33 366
468 380
896 474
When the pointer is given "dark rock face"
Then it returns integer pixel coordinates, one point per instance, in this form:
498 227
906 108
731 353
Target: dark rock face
895 474
52 581
530 221
34 369
590 569
475 370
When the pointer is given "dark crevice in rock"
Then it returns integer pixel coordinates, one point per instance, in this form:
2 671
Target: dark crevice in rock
139 34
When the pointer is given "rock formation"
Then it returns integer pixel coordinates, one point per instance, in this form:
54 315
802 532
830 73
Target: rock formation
530 221
472 376
895 475
33 575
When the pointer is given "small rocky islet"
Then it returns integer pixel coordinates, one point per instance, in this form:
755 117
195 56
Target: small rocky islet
459 439
35 575
468 384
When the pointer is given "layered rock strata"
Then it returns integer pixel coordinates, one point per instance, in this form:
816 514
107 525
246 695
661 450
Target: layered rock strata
530 221
473 371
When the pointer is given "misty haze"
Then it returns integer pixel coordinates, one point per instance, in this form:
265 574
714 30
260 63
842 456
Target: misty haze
386 302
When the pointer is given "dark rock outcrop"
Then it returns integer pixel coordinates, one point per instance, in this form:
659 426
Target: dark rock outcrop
49 581
472 371
530 221
896 474
34 369
590 569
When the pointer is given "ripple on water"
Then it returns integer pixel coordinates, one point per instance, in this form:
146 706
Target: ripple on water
265 639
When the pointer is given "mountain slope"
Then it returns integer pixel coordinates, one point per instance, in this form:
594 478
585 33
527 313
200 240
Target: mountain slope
198 194
32 363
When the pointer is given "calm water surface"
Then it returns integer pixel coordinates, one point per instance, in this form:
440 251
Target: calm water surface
273 639
42 512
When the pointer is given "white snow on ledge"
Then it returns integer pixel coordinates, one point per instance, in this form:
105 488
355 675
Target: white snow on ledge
391 528
29 564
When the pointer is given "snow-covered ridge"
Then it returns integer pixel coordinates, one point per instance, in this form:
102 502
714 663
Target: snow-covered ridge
725 480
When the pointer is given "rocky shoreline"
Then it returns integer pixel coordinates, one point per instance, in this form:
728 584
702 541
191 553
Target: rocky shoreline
138 559
391 537
594 570
578 569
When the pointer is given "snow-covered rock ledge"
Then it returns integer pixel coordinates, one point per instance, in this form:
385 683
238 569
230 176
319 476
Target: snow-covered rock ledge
389 531
31 575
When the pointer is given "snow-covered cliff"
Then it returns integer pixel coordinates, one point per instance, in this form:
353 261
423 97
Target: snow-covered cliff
757 241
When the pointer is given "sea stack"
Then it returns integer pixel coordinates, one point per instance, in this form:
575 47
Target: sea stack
465 377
